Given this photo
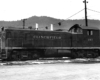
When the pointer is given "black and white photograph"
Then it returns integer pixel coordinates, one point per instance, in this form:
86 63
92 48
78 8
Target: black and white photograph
49 40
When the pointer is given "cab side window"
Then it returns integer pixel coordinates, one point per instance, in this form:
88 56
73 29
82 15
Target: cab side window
89 32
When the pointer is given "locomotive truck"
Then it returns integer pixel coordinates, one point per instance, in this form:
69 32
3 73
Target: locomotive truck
24 44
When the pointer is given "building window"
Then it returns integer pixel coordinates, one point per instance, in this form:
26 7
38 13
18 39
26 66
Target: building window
89 32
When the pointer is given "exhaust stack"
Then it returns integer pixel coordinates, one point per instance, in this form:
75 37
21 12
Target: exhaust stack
51 27
37 26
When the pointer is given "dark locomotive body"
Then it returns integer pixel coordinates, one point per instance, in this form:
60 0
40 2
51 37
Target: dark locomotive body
19 44
23 44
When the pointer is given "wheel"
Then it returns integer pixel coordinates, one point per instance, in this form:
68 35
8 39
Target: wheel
95 54
73 54
35 55
24 55
15 56
89 54
81 54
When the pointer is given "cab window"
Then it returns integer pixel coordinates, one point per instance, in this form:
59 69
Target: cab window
89 32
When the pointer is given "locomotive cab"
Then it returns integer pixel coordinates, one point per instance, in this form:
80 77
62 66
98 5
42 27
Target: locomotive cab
88 36
85 40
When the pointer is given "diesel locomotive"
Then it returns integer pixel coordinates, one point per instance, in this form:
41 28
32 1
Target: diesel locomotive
25 44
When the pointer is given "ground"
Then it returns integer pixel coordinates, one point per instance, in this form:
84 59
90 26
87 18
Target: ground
50 70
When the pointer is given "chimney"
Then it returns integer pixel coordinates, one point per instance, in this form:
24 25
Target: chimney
36 26
51 27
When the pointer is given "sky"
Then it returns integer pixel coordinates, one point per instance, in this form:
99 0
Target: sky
61 9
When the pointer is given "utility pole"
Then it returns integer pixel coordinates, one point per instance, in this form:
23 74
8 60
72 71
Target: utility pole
24 23
86 20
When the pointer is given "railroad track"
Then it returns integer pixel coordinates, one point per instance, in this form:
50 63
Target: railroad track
50 61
